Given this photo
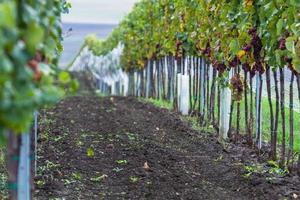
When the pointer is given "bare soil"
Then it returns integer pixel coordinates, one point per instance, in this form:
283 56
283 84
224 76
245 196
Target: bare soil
120 148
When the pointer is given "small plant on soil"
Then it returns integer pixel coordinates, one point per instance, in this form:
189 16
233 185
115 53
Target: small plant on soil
58 138
134 179
99 178
194 121
90 152
131 136
276 169
40 183
45 136
76 176
272 171
79 143
117 169
68 182
122 162
51 165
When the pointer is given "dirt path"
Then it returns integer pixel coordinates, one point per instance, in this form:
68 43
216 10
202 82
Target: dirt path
96 148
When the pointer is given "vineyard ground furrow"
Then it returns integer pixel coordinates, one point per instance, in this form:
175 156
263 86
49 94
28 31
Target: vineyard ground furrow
96 148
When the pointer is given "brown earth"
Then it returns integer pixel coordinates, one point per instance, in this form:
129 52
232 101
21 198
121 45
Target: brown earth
97 148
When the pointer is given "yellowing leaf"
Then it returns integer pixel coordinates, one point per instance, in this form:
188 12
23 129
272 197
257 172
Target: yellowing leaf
241 54
181 27
249 3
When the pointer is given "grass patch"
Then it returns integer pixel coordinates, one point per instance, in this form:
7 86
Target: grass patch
158 103
3 175
266 125
194 121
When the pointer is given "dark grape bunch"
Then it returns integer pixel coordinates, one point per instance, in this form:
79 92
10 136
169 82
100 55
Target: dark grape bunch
258 66
247 68
220 67
255 42
281 43
234 62
247 47
178 49
207 50
282 46
237 87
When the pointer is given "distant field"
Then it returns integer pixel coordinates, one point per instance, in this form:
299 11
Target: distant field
74 39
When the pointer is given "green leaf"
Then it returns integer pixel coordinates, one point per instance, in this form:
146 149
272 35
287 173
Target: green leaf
296 64
234 46
279 26
46 69
64 77
290 45
295 3
34 36
7 14
74 86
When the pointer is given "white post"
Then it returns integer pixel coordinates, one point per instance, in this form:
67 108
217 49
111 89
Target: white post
24 169
258 113
225 105
179 90
202 85
35 141
148 81
185 94
113 88
125 84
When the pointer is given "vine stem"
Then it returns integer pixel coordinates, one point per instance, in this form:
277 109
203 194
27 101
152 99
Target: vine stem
298 86
282 161
273 137
291 141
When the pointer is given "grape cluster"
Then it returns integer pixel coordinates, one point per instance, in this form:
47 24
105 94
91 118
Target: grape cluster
255 42
178 50
258 66
237 87
234 62
246 67
207 50
220 67
281 43
247 47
